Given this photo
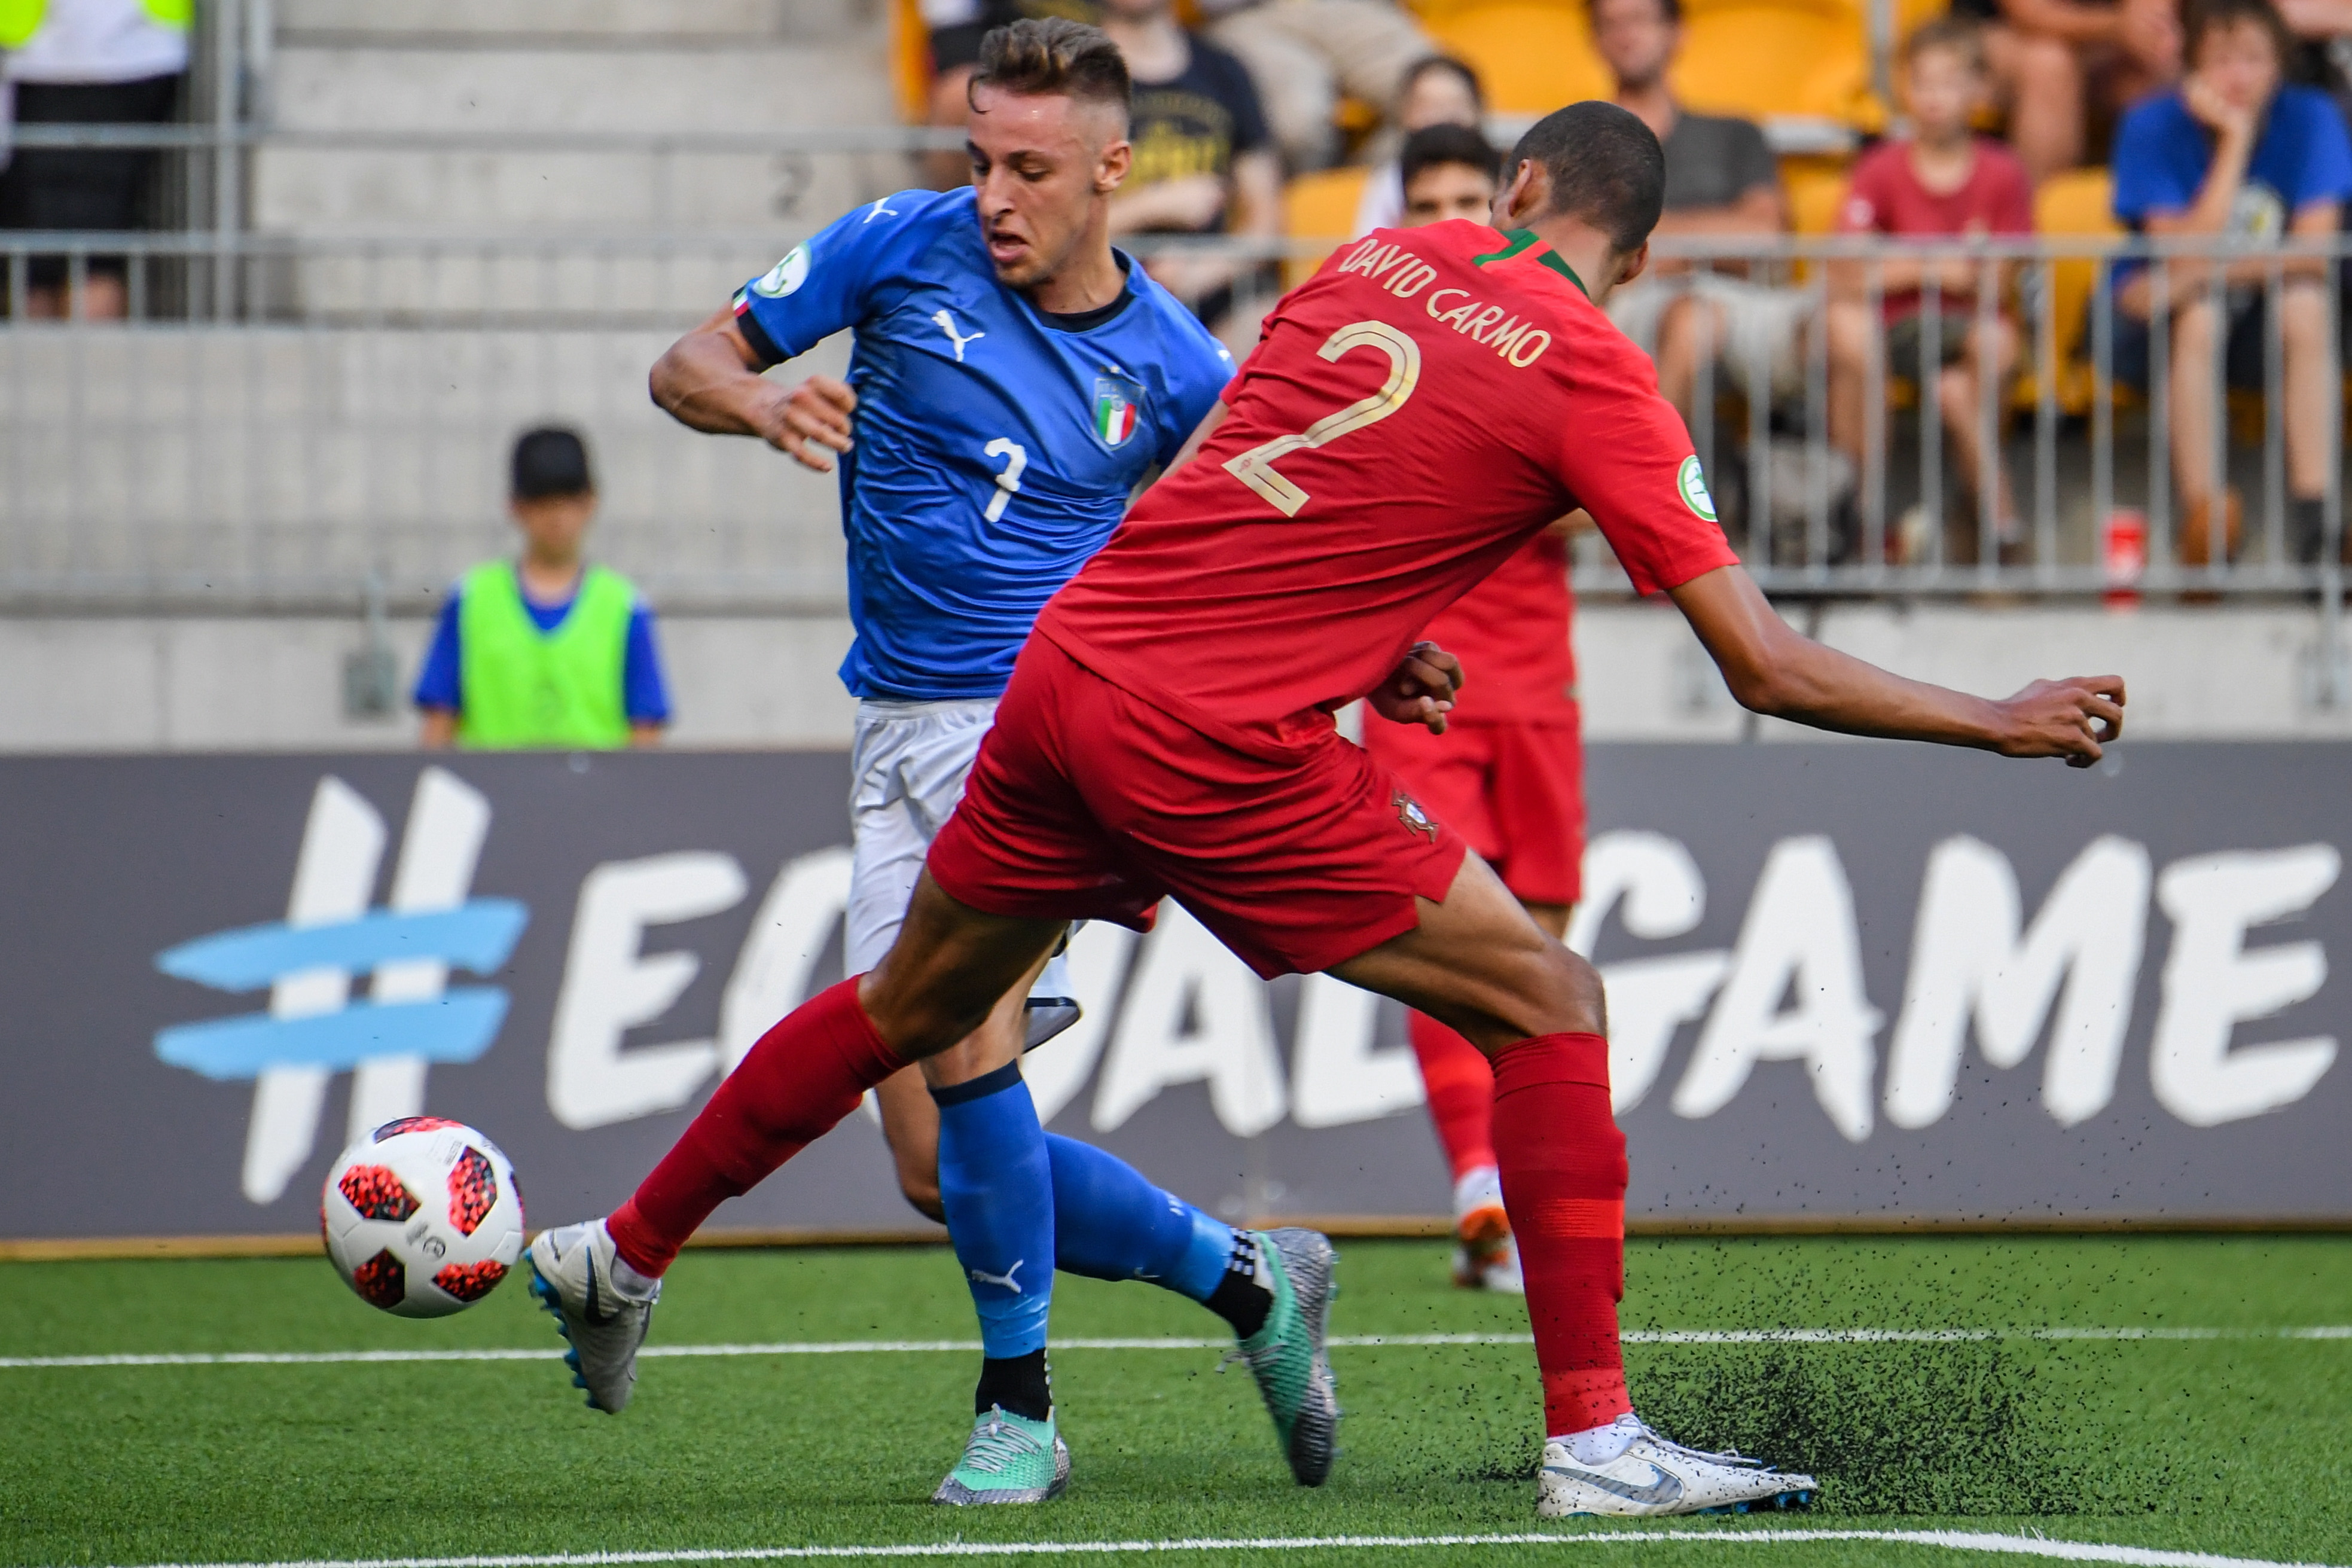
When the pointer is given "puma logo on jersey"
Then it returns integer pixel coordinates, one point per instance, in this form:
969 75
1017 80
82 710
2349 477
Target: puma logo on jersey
879 209
947 324
982 1276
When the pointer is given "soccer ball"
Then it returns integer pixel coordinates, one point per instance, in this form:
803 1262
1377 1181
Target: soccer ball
422 1216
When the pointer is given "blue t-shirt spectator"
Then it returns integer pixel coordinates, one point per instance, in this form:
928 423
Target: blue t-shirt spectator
2162 154
645 696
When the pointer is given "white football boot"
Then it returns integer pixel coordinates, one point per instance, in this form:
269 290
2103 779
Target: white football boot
574 1276
1650 1476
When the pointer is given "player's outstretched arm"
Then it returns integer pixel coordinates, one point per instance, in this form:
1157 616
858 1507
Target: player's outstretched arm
711 381
1774 669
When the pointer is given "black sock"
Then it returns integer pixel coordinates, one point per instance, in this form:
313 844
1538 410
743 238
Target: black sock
1239 1298
1019 1384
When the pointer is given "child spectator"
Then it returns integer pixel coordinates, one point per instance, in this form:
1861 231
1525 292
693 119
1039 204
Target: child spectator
2233 154
82 62
545 651
1439 90
1944 181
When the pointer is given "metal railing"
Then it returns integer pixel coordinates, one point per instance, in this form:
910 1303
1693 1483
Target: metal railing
334 411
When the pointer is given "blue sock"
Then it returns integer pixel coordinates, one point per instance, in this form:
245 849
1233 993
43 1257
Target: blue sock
996 1185
1111 1224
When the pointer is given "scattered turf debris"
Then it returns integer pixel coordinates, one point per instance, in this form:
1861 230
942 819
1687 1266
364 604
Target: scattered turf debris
1939 1429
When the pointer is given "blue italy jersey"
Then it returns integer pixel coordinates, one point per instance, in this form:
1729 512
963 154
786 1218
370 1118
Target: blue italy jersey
995 446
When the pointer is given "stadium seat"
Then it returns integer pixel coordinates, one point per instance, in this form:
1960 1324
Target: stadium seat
1532 54
1320 207
910 60
1767 57
2077 203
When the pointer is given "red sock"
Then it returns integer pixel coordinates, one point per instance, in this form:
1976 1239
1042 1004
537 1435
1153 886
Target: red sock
800 1077
1461 1090
1563 1164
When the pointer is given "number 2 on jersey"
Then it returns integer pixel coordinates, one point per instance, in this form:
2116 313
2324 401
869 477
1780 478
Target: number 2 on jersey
1256 467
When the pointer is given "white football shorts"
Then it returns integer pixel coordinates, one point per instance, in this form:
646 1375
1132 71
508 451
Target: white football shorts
907 764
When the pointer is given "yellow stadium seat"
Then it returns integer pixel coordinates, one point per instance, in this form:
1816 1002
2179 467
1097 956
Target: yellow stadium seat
2077 203
910 60
1764 58
1533 56
1814 187
1319 208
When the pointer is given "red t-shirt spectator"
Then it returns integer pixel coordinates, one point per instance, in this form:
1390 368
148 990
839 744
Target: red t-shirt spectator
1885 197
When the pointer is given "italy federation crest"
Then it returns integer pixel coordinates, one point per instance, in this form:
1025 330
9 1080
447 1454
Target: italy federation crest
1118 408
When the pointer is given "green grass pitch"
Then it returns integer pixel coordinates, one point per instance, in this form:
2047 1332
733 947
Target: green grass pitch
2240 1444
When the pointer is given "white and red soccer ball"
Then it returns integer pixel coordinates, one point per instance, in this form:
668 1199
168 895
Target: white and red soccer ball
421 1217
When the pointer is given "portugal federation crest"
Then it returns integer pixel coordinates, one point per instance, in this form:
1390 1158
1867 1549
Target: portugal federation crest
1409 812
1119 409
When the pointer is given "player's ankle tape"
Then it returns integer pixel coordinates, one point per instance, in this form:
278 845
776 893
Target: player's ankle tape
980 1088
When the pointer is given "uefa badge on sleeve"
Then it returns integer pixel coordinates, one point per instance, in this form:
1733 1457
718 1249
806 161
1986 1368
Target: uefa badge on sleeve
786 276
1118 408
1692 483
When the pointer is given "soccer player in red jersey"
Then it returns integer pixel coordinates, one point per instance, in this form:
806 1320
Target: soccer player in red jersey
1427 402
1508 774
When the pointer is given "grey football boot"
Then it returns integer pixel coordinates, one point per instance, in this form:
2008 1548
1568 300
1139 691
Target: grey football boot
1287 1355
572 1275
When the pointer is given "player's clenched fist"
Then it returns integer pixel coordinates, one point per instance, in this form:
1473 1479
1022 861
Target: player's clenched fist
807 419
1420 690
2070 719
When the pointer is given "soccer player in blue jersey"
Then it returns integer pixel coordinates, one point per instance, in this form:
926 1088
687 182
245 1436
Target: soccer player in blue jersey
1016 381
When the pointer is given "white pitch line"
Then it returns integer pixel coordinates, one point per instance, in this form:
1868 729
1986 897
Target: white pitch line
1337 1341
1949 1540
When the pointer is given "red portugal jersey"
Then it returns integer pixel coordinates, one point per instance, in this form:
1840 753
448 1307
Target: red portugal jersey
1511 634
1414 413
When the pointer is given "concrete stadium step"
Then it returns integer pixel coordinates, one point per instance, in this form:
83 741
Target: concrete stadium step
614 19
311 457
550 88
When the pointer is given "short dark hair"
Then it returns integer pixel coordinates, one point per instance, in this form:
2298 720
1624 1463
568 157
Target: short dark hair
1434 144
1055 55
2203 16
1669 11
1958 34
1462 68
550 461
1606 169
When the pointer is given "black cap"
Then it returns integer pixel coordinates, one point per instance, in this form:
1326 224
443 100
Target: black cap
550 461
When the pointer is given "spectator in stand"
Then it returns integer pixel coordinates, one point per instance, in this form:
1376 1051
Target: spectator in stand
2056 65
2233 153
108 62
1202 160
1722 181
1438 90
1301 56
1945 180
1305 54
545 651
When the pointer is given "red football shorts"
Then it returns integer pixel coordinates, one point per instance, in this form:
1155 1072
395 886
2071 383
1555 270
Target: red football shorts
1515 791
1088 803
